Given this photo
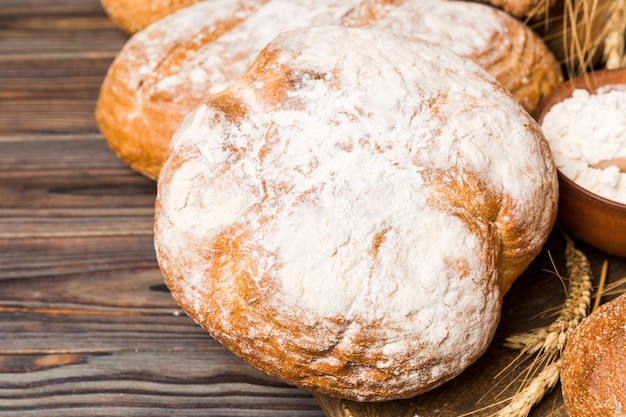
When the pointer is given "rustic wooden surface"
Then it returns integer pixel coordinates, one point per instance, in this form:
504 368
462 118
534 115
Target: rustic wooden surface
86 326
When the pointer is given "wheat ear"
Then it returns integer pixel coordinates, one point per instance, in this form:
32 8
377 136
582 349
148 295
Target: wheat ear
534 391
548 342
552 338
614 56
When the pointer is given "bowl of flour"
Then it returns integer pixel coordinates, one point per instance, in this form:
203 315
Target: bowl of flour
584 121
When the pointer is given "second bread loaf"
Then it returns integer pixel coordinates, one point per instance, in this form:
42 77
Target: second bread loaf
167 69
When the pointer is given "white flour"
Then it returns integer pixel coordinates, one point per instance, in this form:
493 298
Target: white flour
585 130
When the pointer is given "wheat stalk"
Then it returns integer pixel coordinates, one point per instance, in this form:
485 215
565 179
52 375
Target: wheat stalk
580 44
575 30
614 287
548 342
600 290
521 404
553 337
613 53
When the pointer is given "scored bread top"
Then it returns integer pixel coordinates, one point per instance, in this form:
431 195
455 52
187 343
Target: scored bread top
348 215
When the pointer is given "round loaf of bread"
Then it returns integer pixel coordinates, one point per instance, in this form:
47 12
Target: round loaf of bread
348 215
593 374
167 69
133 15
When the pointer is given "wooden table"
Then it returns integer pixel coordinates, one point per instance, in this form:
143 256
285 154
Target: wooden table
87 327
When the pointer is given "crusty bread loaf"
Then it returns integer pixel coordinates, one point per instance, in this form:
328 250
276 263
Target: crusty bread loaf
167 69
507 49
348 215
133 15
522 8
593 375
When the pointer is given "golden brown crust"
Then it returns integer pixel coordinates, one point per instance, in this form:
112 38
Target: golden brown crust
522 8
593 376
167 69
137 114
531 71
131 16
130 139
348 242
137 111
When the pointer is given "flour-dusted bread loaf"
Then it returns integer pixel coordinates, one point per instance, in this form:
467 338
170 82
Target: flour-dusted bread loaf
509 50
348 215
522 8
133 15
593 376
167 69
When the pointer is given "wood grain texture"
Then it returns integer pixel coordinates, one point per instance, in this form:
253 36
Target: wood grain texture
87 327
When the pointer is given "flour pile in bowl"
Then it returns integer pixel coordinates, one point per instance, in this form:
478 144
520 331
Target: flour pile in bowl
586 130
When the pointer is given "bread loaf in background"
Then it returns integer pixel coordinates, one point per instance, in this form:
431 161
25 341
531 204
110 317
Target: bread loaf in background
593 375
502 45
131 16
348 215
168 68
522 8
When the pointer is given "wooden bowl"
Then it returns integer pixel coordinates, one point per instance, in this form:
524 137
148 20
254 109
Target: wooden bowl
598 221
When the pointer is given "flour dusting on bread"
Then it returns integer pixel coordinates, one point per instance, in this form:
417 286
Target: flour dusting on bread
341 213
167 69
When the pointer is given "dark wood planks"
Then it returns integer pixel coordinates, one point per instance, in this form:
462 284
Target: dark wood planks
52 61
87 327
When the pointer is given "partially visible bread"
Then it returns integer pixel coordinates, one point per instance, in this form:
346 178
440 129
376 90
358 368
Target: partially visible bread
522 8
593 375
133 15
348 215
168 68
509 50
